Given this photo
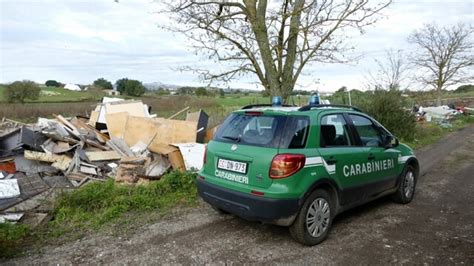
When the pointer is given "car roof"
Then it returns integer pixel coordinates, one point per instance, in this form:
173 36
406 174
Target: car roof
286 110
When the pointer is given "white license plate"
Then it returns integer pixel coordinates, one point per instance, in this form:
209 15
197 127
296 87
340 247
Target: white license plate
233 166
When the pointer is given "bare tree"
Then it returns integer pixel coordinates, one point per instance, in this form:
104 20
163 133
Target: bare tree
392 71
274 40
444 54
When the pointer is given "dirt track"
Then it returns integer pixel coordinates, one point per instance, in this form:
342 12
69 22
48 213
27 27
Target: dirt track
436 228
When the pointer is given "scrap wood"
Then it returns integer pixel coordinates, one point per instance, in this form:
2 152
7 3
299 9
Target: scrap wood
116 123
68 125
60 162
96 145
174 155
179 112
120 147
88 170
140 129
81 124
102 155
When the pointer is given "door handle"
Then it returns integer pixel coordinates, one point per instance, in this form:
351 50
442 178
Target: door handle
371 157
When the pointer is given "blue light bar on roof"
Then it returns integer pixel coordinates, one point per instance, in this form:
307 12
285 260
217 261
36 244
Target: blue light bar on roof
277 101
314 99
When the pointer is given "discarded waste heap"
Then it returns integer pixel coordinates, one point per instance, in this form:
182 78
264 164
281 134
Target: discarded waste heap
120 140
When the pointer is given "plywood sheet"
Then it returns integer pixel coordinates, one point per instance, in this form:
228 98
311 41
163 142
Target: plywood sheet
140 129
116 124
176 131
132 108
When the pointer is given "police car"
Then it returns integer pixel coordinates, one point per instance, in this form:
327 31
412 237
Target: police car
301 166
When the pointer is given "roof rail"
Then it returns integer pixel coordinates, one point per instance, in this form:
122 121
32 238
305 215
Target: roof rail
264 105
311 106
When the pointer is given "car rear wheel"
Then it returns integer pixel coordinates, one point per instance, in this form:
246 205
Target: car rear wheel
406 188
314 220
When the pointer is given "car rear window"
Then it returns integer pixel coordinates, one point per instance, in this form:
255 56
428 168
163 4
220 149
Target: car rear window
272 131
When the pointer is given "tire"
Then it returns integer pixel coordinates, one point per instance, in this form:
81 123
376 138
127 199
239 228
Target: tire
320 206
406 188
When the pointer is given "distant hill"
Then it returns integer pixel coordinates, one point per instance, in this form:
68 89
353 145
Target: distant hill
156 85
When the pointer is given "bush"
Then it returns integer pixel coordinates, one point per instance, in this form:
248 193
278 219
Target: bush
387 107
19 91
130 87
103 84
52 83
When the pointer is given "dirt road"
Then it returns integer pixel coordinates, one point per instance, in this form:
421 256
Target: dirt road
436 228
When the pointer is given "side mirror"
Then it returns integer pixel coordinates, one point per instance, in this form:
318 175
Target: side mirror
391 142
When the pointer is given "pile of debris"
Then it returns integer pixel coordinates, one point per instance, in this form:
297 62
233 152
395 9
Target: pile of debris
441 114
120 140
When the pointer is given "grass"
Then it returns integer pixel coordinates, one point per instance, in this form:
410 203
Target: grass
429 133
97 204
100 204
57 95
11 238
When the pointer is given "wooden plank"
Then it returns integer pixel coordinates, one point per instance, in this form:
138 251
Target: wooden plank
161 148
60 162
102 155
178 113
116 124
94 117
63 121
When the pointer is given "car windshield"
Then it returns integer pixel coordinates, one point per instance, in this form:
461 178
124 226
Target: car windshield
272 131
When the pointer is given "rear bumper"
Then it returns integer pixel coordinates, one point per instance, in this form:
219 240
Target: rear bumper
253 208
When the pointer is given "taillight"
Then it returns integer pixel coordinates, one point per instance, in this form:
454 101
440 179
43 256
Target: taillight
284 165
205 155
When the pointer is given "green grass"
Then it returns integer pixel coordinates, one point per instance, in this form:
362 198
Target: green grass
430 133
100 203
11 238
53 94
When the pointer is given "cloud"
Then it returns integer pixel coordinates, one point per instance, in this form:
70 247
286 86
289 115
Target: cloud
81 40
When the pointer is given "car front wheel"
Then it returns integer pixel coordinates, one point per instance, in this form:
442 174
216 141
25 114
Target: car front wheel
314 220
406 188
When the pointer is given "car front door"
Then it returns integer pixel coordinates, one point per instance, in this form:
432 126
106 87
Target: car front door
379 169
339 150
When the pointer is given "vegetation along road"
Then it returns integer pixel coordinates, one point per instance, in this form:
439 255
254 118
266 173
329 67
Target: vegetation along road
436 228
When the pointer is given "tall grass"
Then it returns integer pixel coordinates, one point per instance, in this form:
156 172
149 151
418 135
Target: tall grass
97 204
29 112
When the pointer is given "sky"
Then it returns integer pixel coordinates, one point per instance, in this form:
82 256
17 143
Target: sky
78 41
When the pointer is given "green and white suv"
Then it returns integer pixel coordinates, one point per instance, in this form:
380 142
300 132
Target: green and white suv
300 166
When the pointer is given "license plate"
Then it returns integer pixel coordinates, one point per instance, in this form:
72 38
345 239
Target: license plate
233 166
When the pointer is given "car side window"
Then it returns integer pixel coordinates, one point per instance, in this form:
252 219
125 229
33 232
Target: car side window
368 132
334 131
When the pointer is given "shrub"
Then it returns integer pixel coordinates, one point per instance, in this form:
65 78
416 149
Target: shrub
52 83
19 91
103 84
130 87
387 107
